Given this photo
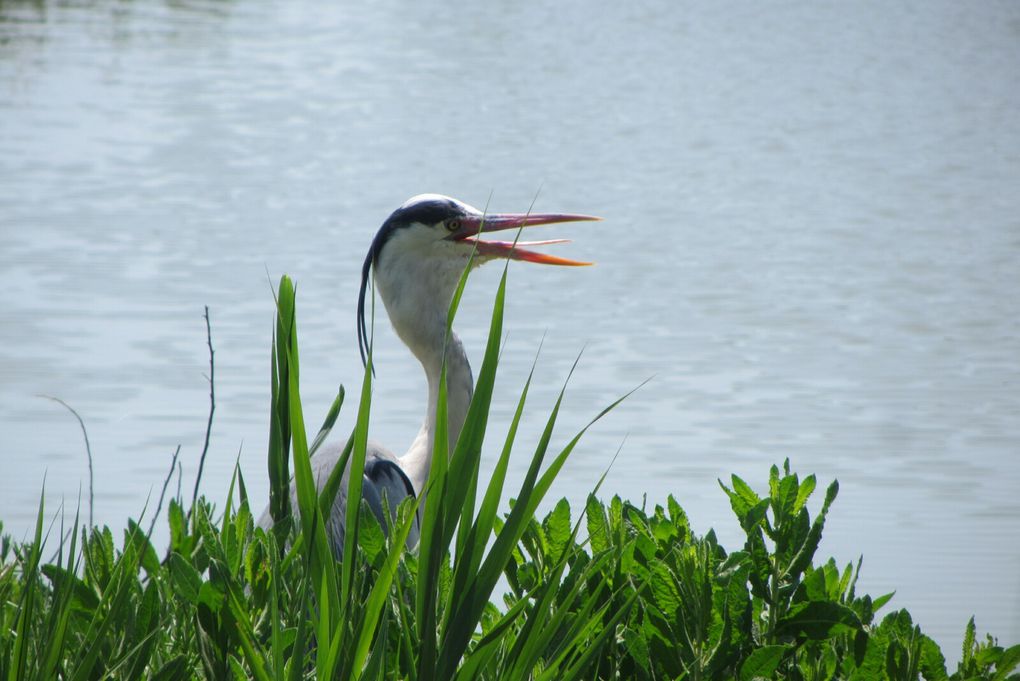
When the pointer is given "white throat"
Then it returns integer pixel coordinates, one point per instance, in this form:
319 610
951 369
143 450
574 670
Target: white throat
417 461
417 291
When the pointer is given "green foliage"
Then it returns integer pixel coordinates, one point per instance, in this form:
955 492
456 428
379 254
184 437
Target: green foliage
616 592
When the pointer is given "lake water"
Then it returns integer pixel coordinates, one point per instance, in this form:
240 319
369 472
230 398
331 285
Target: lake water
811 244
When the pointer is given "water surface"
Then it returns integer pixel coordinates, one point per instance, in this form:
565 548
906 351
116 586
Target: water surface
811 243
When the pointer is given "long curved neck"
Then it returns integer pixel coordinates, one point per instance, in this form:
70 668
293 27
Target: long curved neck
416 290
417 462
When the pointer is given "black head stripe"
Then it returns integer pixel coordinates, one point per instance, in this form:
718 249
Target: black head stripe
427 212
366 270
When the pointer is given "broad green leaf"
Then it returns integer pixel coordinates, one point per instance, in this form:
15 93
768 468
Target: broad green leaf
882 600
1007 663
177 668
807 551
371 538
185 578
744 491
557 528
679 519
598 525
804 492
664 589
814 584
763 662
933 663
637 647
784 499
80 594
819 620
211 596
969 636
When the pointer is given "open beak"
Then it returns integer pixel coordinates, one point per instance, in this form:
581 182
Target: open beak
473 226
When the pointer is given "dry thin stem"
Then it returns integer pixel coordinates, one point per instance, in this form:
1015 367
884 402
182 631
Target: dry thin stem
212 407
162 494
88 448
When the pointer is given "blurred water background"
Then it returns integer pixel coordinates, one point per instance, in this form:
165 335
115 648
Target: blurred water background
811 243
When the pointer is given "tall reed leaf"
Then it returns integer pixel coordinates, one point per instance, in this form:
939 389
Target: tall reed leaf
381 588
26 606
434 536
278 459
112 608
61 604
467 454
470 603
323 567
327 424
481 529
355 481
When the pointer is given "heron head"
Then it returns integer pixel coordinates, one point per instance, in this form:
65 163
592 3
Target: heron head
423 247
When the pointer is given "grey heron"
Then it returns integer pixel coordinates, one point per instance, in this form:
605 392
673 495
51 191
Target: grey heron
417 258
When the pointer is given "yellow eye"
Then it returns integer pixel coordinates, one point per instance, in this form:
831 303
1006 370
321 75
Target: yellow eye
452 225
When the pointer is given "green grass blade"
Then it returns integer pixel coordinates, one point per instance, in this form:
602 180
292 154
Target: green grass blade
460 480
324 633
61 607
431 551
26 606
327 495
539 629
406 625
595 646
275 635
430 558
278 459
257 662
576 637
467 454
301 643
376 668
111 608
381 588
481 530
542 486
323 567
328 423
470 603
355 481
227 512
499 630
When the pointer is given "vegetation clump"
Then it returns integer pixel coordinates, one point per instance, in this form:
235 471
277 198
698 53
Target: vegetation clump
617 591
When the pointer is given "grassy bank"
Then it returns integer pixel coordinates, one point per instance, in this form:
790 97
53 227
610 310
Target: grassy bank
610 591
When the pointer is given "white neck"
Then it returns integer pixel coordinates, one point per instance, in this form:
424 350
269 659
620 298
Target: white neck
417 462
416 276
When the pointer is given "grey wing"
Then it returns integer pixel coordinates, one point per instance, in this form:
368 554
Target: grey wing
386 486
383 479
